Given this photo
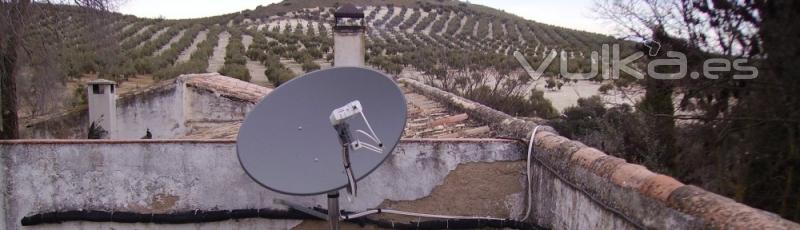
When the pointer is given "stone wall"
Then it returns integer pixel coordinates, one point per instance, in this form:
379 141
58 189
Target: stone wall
475 177
469 177
158 108
607 191
573 186
72 124
167 109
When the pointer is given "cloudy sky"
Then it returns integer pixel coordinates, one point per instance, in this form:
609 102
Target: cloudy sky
576 14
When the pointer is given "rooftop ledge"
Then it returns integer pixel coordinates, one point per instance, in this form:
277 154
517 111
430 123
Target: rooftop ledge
227 141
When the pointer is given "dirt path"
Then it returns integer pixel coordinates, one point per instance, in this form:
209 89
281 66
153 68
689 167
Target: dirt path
127 26
169 44
406 17
490 35
292 65
427 30
155 35
395 13
461 26
217 60
450 16
142 30
256 69
134 84
382 11
315 27
187 53
475 29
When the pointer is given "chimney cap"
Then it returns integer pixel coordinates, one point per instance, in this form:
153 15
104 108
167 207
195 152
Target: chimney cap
100 81
348 11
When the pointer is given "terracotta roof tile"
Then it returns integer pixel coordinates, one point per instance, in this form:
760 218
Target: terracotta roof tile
631 175
659 186
226 86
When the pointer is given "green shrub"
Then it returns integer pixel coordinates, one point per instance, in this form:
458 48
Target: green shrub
237 71
79 95
198 62
309 66
278 75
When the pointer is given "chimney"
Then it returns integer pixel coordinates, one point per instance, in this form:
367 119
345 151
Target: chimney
348 36
103 105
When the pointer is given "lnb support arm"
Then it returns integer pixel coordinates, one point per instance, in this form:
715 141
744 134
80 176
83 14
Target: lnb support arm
339 119
343 130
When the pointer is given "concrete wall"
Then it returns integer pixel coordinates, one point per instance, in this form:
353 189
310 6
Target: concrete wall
170 176
574 186
159 109
587 188
204 106
168 109
471 177
349 49
73 124
153 108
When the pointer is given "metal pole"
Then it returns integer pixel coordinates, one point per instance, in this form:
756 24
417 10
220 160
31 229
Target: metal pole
315 213
333 210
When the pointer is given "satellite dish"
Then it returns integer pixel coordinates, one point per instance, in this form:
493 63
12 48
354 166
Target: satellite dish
300 139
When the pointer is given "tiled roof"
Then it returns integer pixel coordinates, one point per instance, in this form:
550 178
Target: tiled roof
426 118
226 86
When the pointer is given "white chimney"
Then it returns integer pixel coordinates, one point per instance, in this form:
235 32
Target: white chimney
349 30
103 105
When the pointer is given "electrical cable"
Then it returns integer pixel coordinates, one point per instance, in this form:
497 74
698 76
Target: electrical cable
360 144
370 128
414 214
200 216
375 139
530 151
564 180
351 180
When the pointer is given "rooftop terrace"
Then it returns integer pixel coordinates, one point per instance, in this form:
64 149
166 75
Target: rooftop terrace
457 168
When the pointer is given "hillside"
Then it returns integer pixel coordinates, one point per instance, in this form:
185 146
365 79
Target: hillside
272 44
719 132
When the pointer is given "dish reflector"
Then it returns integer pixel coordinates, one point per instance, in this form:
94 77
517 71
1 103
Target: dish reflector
288 142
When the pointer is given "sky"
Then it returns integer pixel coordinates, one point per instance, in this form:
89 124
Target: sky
574 14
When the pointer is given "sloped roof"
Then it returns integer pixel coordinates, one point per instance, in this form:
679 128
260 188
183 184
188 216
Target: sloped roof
426 118
101 81
226 86
349 10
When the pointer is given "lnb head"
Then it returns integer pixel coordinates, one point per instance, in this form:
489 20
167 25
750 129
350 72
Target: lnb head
341 114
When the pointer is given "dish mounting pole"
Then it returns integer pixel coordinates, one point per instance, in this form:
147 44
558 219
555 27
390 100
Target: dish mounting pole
333 210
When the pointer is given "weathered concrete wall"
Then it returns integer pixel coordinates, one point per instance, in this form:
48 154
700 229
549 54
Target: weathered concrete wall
157 108
204 106
211 100
349 49
73 124
152 108
168 109
595 210
169 176
590 189
575 187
